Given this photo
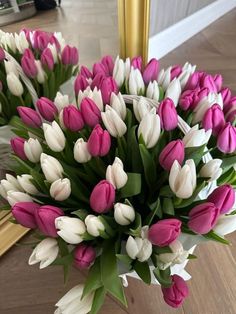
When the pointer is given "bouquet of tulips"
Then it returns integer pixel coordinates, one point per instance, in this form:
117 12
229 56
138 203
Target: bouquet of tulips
32 64
118 183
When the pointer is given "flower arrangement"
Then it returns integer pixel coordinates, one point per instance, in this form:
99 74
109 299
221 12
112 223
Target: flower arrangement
117 182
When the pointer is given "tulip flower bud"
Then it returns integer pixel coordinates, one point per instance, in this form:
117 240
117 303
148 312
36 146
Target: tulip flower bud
226 95
119 72
69 55
223 198
53 49
84 256
231 114
196 137
97 81
25 181
14 197
136 63
108 86
118 104
60 189
187 99
33 150
150 72
40 39
141 108
14 85
153 91
164 232
54 136
226 140
226 224
29 67
41 74
17 145
193 81
214 119
174 91
2 54
171 152
9 184
84 71
176 70
183 180
23 212
73 119
81 152
203 217
102 197
113 123
10 67
218 80
96 96
138 248
212 169
116 175
70 229
90 112
176 293
108 63
150 128
80 83
136 83
45 217
44 253
46 108
124 214
94 225
30 117
99 142
168 114
51 168
208 81
61 101
230 104
47 59
99 68
187 71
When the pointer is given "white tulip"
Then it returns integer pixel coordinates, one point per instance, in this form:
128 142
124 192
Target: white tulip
118 104
10 67
83 94
119 71
136 83
150 128
189 67
81 153
60 39
164 78
138 248
72 303
127 68
21 42
116 175
141 107
14 85
225 224
113 123
212 169
33 150
96 96
53 49
61 101
25 180
8 41
94 225
183 180
54 136
14 197
41 75
70 229
187 70
174 91
44 253
123 214
153 91
196 137
51 168
60 189
9 184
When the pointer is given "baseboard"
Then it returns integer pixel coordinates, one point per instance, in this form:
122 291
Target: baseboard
172 37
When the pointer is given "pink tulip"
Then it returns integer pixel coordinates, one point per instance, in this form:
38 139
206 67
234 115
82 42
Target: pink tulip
27 32
99 142
214 119
81 83
102 197
54 41
193 81
223 197
69 55
90 112
231 114
45 218
187 99
28 54
168 114
226 141
229 105
175 71
72 119
108 63
97 81
172 151
2 54
46 108
164 232
226 95
17 145
176 294
108 86
218 79
137 63
84 256
40 40
203 218
47 59
30 117
29 67
150 71
99 68
208 82
24 212
84 71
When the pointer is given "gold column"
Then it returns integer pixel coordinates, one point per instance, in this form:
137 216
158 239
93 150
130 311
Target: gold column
134 19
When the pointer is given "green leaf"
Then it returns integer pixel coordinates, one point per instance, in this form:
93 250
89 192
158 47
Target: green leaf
163 277
168 207
136 226
93 281
64 252
109 272
160 250
155 211
228 162
133 150
215 237
166 191
191 256
143 270
148 165
98 300
133 185
81 213
124 258
195 153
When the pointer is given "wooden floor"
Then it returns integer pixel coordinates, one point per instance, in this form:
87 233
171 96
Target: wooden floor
26 290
